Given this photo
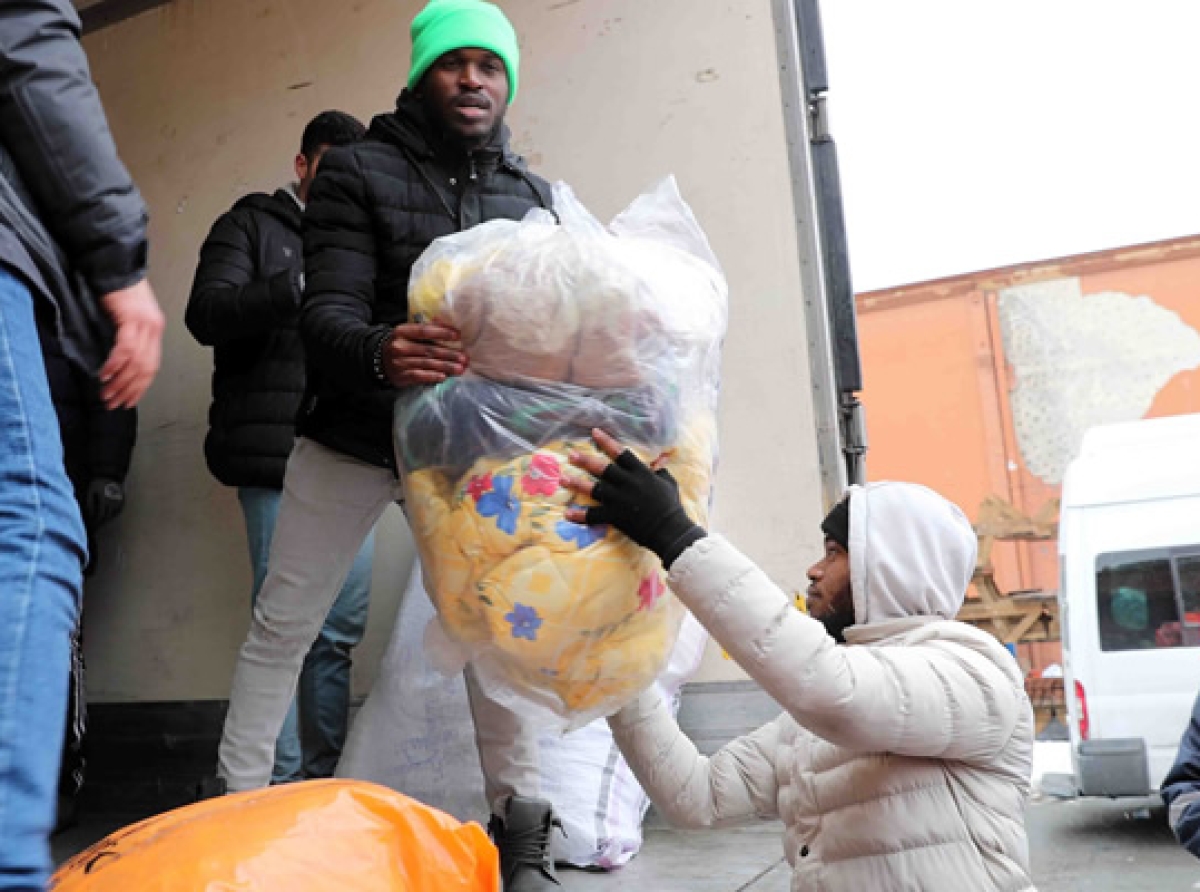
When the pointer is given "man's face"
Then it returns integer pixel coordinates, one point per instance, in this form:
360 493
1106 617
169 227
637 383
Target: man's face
830 600
467 91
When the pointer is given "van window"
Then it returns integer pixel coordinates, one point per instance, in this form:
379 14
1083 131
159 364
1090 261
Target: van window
1149 599
1189 593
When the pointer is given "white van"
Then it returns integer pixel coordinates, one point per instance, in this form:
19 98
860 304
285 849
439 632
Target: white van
1129 553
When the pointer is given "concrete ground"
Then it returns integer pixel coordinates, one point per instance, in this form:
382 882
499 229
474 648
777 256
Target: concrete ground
1075 846
1107 846
746 858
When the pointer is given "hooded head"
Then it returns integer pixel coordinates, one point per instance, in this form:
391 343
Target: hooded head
911 553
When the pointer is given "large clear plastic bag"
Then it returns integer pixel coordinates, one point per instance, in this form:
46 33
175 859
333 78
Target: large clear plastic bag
569 325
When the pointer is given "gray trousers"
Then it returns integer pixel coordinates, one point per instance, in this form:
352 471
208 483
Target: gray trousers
331 502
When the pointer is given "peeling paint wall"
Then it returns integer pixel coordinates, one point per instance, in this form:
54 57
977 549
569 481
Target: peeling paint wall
1082 361
207 99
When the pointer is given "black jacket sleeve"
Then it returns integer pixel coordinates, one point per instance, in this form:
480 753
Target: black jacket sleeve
227 302
340 266
53 125
1181 788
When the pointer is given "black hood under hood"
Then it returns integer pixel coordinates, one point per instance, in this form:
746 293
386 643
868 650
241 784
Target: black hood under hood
281 205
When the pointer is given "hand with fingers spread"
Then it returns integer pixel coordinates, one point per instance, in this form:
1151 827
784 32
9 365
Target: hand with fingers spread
131 366
640 501
421 353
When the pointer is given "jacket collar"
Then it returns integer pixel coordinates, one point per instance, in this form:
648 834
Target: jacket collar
410 128
873 633
282 205
293 192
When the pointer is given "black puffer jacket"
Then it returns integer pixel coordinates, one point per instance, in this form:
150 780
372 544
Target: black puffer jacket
374 207
245 302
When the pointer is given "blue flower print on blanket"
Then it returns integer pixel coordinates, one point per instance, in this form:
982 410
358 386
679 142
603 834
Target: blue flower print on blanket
580 534
525 622
501 504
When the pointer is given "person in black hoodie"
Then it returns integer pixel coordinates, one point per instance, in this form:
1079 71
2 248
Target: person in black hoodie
438 164
245 304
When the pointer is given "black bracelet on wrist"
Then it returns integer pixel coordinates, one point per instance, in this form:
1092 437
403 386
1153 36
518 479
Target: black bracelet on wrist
377 361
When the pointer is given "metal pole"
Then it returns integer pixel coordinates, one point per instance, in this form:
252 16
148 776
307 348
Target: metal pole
826 410
814 160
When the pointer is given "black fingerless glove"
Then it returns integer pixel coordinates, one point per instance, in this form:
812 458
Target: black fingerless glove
644 505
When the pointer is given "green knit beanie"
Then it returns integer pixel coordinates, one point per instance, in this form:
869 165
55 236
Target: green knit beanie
446 25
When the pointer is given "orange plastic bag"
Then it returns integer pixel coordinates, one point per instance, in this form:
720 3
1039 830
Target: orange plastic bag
319 836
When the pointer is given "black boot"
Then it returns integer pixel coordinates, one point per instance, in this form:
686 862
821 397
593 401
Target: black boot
523 837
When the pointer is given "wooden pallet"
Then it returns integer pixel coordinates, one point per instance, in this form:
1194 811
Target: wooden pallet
1015 617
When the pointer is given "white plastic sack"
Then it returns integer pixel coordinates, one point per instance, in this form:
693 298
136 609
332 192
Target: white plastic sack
414 734
568 326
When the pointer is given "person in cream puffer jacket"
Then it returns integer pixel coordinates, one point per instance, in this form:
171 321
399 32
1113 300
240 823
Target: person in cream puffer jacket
902 760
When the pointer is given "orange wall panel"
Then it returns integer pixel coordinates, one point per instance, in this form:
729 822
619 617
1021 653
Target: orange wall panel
930 391
936 387
921 373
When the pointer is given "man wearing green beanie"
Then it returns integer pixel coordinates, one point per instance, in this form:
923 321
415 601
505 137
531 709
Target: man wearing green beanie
438 164
443 25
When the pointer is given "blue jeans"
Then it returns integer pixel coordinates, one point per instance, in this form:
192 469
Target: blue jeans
314 732
42 552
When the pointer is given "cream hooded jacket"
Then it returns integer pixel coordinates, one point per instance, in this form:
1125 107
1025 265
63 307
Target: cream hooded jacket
902 759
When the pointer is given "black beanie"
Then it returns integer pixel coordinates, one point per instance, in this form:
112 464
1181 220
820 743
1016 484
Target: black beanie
836 524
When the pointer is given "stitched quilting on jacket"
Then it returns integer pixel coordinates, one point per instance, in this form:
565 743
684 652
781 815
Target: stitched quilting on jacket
245 303
903 758
373 209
